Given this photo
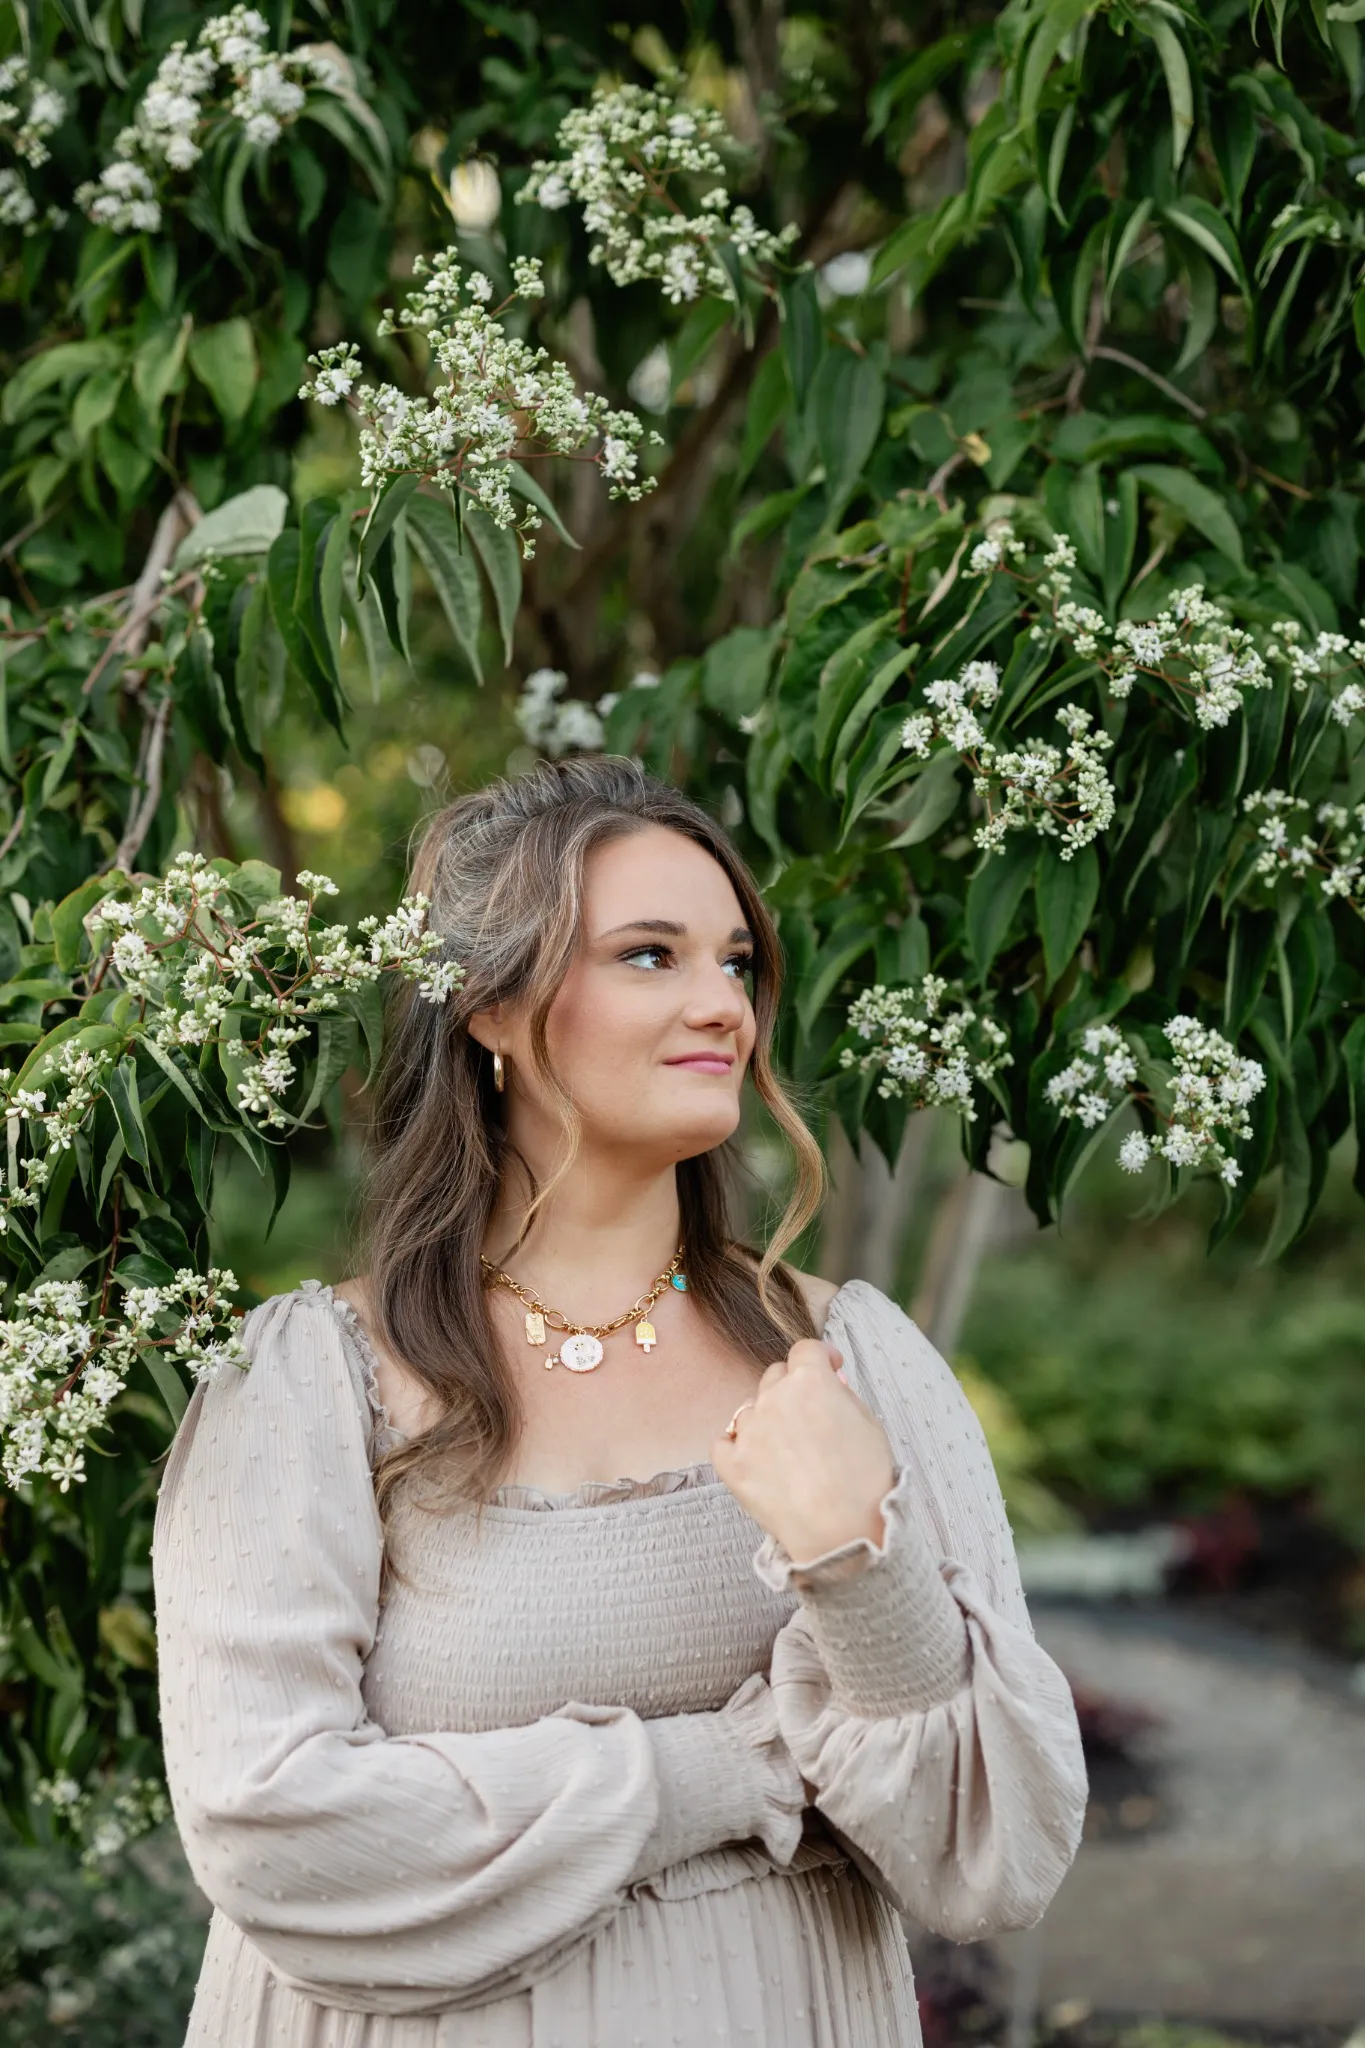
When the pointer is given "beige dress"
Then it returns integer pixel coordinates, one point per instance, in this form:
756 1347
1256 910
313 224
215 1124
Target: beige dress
549 1793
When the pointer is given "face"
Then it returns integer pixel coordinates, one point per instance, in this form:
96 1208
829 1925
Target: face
653 1028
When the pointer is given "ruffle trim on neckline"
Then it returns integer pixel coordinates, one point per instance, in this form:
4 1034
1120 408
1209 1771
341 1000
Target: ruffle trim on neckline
592 1493
597 1493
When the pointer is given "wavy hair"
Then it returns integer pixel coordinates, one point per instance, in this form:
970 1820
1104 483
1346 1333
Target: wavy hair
503 870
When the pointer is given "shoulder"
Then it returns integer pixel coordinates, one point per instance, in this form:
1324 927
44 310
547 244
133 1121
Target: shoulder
894 1364
305 1349
816 1293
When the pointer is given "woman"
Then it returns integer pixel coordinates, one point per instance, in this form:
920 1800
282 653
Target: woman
485 1726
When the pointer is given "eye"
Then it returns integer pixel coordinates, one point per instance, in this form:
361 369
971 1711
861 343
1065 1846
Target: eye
647 957
740 965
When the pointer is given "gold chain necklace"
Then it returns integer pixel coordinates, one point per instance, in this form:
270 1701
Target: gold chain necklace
582 1349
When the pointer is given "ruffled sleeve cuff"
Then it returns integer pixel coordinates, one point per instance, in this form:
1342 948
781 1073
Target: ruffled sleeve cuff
723 1777
890 1635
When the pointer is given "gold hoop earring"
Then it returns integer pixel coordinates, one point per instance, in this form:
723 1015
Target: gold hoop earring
499 1072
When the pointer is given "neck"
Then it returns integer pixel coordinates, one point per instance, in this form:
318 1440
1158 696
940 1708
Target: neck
609 1228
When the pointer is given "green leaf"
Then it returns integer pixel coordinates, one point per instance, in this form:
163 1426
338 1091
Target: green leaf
1058 20
168 1384
842 950
95 402
770 401
1199 329
734 676
692 343
157 362
391 500
501 557
1200 506
60 365
282 576
337 1040
1206 227
1179 89
120 1086
1353 1060
451 569
930 802
244 525
1067 891
847 398
803 331
224 360
994 894
366 1005
525 485
68 919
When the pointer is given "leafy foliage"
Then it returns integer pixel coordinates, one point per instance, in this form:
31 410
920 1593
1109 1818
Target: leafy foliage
1009 532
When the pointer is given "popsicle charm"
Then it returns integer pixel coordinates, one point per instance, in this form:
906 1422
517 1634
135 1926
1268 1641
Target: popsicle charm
644 1334
535 1326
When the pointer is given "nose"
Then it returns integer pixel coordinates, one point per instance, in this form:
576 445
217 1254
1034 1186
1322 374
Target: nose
717 1001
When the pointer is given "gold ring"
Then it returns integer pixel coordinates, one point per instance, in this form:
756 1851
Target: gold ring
731 1429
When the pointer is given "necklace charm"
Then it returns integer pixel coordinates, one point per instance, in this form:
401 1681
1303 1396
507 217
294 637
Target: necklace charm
644 1335
535 1326
581 1352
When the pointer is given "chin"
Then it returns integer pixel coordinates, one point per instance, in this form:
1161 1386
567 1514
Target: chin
703 1134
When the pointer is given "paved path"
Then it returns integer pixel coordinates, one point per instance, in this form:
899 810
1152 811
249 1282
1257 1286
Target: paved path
1249 1904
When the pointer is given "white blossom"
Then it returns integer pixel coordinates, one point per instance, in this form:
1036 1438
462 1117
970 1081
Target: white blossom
497 399
925 1050
631 159
1210 1090
230 74
553 727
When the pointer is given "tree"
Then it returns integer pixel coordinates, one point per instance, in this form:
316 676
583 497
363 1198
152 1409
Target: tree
1002 385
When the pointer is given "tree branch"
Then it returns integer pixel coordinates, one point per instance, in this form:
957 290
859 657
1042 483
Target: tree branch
140 820
1117 355
175 522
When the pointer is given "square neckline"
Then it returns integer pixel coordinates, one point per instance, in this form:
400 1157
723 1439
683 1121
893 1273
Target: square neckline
516 1497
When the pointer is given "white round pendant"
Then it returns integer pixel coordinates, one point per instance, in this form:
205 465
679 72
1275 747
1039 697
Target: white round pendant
581 1353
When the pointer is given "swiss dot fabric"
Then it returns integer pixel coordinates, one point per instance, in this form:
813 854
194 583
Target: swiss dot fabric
553 1792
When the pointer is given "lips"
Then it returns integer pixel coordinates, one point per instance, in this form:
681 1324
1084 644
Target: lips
704 1062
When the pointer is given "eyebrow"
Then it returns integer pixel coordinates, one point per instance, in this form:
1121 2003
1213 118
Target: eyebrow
741 935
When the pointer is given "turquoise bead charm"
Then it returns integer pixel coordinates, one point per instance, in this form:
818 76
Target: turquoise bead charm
679 1280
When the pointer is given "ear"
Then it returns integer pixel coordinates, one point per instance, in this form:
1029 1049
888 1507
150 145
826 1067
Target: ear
488 1027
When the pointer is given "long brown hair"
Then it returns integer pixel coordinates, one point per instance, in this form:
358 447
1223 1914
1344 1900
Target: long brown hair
503 870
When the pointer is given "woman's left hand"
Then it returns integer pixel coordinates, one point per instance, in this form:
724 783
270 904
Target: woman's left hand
807 1460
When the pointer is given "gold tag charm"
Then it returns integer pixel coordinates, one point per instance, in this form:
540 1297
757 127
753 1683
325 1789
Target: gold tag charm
535 1326
644 1334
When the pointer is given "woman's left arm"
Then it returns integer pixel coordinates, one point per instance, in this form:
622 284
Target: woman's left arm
938 1738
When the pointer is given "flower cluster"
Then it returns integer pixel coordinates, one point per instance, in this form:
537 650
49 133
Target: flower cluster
927 1052
229 74
1097 1079
553 727
1321 661
1335 852
499 400
623 159
58 1109
1060 793
253 988
64 1359
1211 1087
106 1821
1192 647
29 112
